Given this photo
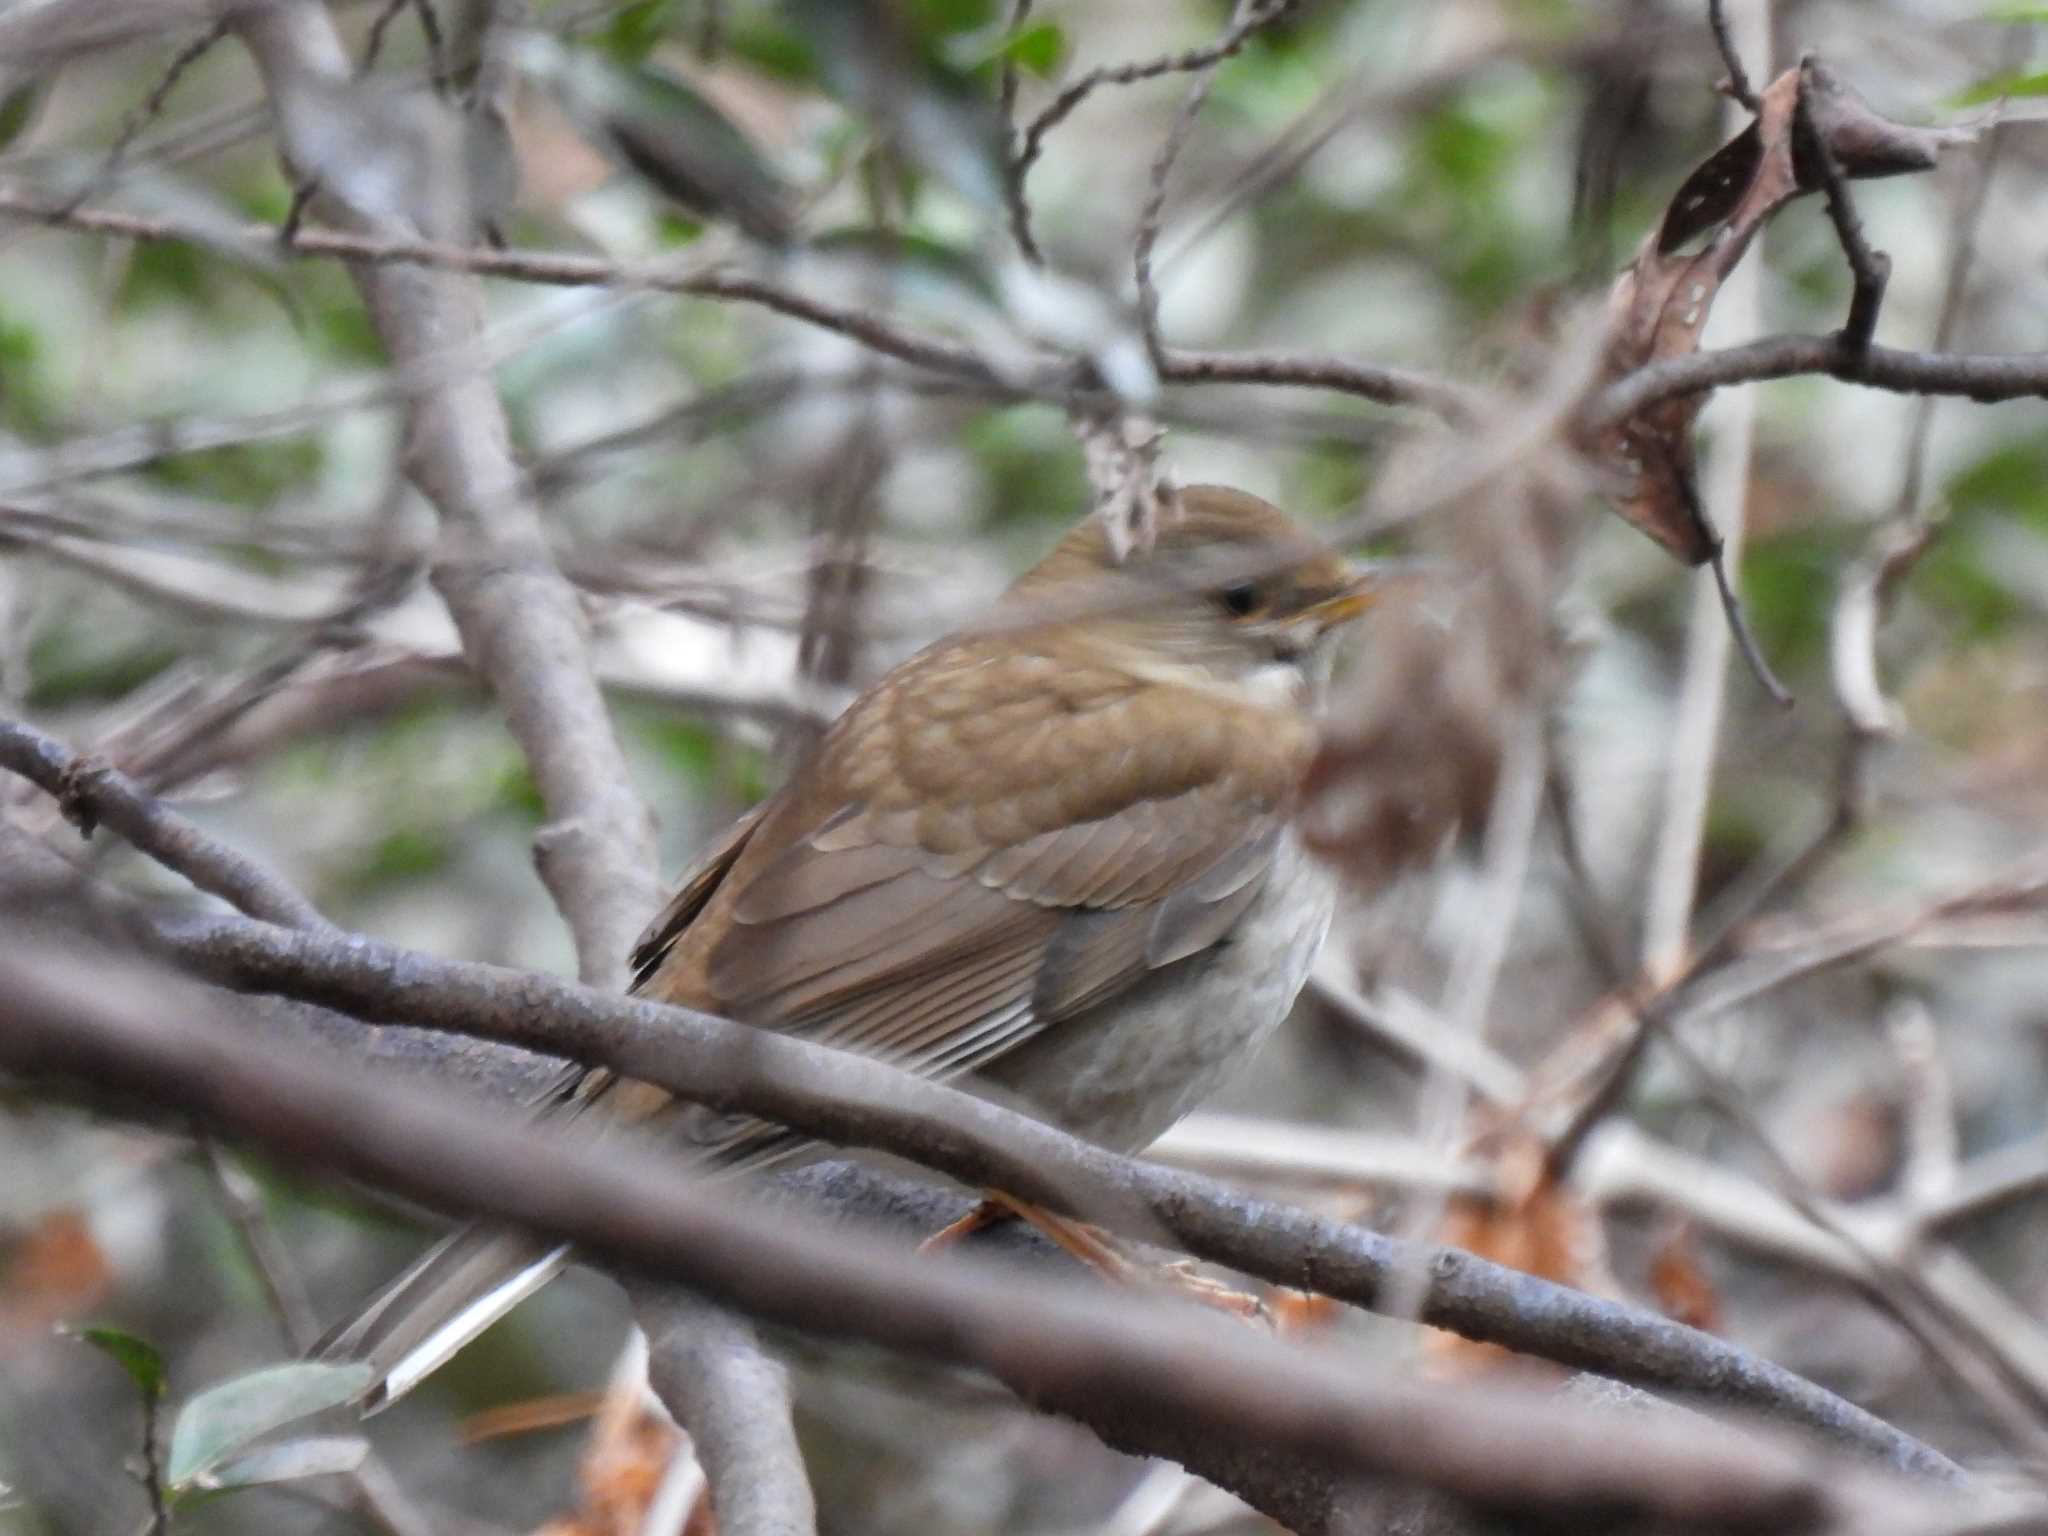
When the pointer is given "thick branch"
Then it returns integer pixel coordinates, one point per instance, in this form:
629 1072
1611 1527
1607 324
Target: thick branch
708 1366
129 1034
856 1102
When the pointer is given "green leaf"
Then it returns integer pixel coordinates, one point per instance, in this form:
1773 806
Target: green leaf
1998 87
287 1462
223 1419
671 134
18 105
1036 49
635 29
138 1357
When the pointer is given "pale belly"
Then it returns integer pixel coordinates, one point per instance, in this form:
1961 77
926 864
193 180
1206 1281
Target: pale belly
1123 1072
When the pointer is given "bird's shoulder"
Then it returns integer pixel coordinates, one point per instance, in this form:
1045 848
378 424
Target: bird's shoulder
987 744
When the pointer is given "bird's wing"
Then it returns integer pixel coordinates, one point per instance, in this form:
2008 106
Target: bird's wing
699 883
975 873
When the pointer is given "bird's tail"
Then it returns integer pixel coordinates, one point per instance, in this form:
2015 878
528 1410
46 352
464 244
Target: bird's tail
464 1284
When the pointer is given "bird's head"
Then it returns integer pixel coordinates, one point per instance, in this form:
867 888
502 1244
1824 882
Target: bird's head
1233 595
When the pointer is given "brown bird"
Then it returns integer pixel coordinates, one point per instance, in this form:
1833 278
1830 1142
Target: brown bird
1051 855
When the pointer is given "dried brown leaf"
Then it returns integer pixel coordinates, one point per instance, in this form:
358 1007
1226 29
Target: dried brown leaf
56 1271
1659 306
1680 1284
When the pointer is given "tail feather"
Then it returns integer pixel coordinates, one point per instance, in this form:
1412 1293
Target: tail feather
464 1284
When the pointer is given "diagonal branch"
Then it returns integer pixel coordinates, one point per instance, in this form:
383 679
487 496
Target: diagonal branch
1123 1365
91 791
854 1101
520 623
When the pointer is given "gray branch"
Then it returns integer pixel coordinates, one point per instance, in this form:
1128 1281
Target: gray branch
1112 1358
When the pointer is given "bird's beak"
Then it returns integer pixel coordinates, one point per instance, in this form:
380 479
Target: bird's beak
1368 584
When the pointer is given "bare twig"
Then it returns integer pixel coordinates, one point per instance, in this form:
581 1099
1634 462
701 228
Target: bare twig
1910 530
1871 269
152 1471
1984 377
1013 170
1247 18
152 107
373 41
282 1287
92 791
375 1491
1736 86
1250 16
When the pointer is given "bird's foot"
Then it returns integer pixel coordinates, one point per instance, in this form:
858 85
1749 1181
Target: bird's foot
1099 1251
1182 1278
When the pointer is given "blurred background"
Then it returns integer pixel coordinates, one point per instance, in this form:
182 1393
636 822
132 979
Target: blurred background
1564 807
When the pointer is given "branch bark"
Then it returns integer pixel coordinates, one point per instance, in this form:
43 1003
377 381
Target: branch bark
85 1019
520 623
855 1102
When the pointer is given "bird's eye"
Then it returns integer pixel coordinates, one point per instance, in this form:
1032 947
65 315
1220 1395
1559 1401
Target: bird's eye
1239 600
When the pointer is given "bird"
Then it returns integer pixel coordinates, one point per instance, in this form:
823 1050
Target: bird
1052 857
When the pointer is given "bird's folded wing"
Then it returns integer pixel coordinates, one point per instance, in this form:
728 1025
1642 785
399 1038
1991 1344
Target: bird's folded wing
939 930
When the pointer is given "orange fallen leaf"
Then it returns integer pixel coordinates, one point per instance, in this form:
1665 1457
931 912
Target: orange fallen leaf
56 1271
1680 1284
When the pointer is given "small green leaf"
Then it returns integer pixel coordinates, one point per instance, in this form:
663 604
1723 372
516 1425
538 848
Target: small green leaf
222 1419
1036 49
1998 87
138 1357
288 1461
18 105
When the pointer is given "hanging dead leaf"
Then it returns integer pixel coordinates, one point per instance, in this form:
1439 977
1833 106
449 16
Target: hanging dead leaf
1659 306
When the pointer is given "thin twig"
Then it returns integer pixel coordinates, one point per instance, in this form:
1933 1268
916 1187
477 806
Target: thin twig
1013 170
1871 269
91 792
1909 532
152 1464
282 1287
152 107
1745 637
1736 86
373 44
1251 15
375 1492
1983 377
1247 18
